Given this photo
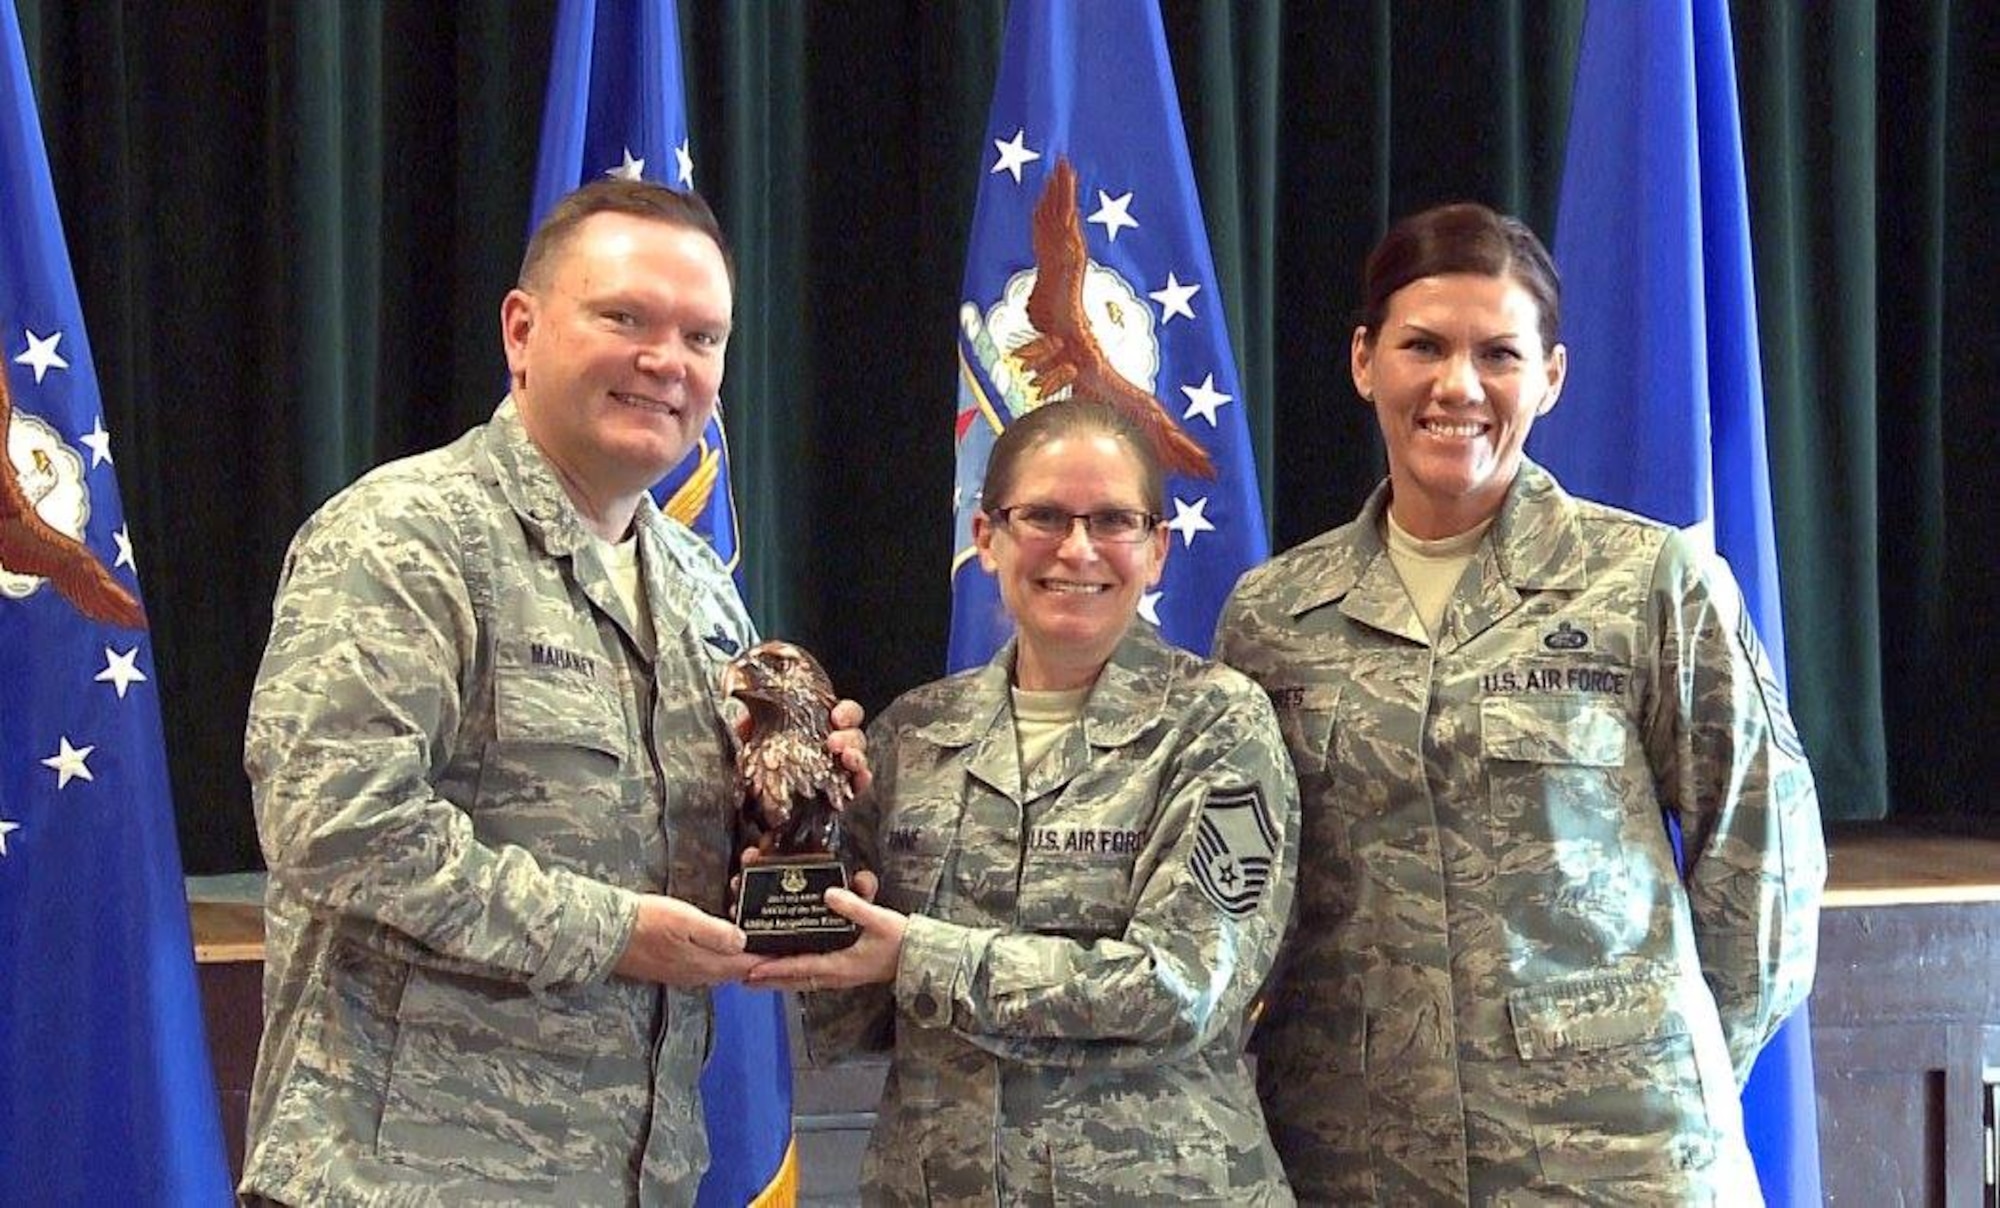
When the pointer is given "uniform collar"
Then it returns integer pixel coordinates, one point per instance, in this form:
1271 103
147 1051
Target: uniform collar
1127 700
1532 546
530 484
1538 539
531 488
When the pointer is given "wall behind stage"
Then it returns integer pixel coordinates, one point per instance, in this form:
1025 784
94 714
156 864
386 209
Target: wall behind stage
292 223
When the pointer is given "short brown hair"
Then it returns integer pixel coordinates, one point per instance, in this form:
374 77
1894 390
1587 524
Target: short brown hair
1464 237
614 195
1071 417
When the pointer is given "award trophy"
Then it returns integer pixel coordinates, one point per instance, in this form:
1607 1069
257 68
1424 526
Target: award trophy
794 794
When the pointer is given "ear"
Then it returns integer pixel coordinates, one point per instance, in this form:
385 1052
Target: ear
982 540
1558 371
517 322
1361 363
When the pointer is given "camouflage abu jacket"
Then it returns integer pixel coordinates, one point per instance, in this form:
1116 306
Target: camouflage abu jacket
1500 991
1069 1014
464 767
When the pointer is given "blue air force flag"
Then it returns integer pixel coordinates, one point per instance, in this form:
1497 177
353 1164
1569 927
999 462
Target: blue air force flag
106 1095
1088 192
616 108
1665 410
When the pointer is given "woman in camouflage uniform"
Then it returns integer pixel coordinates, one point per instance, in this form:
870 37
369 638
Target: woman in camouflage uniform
1502 989
1084 854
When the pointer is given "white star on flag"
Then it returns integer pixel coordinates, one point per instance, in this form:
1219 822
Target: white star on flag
1188 519
1173 299
6 828
1205 400
121 670
1111 214
99 443
684 160
41 355
1014 155
123 540
68 763
631 169
1149 605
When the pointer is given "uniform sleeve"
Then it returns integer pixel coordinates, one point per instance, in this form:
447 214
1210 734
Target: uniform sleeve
357 706
841 1023
1196 951
1728 761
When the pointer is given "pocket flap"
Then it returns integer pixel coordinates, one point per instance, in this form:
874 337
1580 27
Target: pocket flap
1556 729
1597 1012
585 1022
563 706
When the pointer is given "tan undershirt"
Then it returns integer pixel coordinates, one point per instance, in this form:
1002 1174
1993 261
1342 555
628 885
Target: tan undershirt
621 562
1430 570
1041 719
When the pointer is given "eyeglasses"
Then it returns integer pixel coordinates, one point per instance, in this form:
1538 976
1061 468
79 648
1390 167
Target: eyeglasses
1119 526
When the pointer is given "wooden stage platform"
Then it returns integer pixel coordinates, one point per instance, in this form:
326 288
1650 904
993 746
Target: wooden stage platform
1905 1014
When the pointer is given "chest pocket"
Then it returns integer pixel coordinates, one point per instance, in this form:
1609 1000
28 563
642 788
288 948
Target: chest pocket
557 765
1079 855
567 700
912 844
1573 730
1305 717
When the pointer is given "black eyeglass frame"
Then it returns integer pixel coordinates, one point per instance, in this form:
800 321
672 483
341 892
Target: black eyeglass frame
1004 517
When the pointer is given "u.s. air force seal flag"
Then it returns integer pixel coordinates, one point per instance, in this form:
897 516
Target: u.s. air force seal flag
1088 271
615 108
106 1094
1233 849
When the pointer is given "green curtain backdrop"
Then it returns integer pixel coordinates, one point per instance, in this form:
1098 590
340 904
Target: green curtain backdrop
292 222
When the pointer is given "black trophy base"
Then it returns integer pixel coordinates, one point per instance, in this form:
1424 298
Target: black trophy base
781 906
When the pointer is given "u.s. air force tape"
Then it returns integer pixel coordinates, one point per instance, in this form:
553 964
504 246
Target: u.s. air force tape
1233 849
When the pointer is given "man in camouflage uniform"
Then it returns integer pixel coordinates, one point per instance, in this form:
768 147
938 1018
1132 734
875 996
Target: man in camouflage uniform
1500 989
491 781
1070 1002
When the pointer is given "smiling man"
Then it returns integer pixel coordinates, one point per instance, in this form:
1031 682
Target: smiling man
492 784
615 338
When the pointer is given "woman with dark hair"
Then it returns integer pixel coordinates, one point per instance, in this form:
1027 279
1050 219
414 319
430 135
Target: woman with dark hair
1084 852
1503 986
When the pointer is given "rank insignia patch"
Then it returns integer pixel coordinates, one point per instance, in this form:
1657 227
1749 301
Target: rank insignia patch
1233 850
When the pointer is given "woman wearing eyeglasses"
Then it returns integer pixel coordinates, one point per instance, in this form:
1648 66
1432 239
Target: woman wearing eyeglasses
1084 853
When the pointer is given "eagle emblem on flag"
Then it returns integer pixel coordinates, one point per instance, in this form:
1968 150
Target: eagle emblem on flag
43 507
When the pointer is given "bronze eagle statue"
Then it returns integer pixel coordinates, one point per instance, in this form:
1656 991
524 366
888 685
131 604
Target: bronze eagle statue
796 788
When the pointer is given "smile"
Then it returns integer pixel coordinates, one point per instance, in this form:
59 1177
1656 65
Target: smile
1463 429
1064 587
646 403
